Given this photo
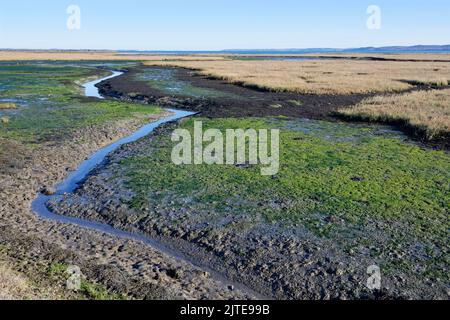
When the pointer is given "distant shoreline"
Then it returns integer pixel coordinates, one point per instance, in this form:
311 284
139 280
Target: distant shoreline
418 49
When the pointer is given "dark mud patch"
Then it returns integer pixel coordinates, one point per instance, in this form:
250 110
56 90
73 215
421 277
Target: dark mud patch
13 156
237 101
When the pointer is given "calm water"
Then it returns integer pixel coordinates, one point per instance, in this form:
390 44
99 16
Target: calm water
90 89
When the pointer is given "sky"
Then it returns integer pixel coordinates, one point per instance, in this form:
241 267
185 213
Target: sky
221 24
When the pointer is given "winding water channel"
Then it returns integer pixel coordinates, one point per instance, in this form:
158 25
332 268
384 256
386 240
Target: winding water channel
90 88
70 184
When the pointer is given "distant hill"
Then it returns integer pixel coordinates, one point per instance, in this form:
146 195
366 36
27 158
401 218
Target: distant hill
400 49
281 51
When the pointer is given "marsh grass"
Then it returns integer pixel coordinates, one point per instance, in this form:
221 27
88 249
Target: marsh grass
55 55
423 111
359 56
8 105
322 76
98 56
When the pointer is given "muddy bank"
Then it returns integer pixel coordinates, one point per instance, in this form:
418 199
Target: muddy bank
278 260
418 134
130 267
244 101
124 266
237 101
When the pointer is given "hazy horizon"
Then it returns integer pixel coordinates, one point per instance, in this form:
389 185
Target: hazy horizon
355 49
201 25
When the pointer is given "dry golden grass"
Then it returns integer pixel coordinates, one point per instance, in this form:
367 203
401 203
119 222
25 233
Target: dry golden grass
101 56
311 76
428 111
8 105
322 77
399 56
17 55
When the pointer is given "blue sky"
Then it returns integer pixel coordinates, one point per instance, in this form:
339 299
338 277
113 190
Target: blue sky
221 24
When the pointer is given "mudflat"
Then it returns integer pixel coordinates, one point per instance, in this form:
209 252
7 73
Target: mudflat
348 195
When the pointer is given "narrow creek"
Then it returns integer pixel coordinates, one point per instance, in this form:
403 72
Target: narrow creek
70 184
90 88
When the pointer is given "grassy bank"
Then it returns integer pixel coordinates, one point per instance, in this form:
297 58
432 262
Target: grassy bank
426 112
37 123
376 197
356 173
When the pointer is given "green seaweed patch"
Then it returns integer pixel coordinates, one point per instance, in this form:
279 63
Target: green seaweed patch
370 175
38 123
52 106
